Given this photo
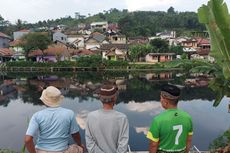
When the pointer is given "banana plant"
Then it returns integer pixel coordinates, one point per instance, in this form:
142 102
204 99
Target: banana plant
216 17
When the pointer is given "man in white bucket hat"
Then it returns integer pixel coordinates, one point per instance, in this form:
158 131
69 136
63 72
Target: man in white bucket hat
54 125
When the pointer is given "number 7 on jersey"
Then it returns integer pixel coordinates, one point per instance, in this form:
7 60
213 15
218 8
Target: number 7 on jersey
179 132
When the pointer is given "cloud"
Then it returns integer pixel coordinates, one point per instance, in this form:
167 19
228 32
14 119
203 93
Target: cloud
142 130
81 118
35 10
154 107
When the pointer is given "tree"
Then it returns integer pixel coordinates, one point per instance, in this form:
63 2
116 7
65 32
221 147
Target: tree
139 51
20 24
161 45
171 10
33 41
178 50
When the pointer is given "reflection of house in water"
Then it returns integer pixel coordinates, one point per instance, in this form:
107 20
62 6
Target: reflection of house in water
7 92
163 76
85 88
43 81
197 82
121 84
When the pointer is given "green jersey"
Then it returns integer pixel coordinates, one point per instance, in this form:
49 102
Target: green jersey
171 129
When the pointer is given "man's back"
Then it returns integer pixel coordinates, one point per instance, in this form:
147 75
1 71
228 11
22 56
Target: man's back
55 126
172 127
109 131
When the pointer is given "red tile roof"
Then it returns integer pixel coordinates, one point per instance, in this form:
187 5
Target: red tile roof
15 42
51 51
3 35
24 30
83 52
5 52
113 26
201 41
96 33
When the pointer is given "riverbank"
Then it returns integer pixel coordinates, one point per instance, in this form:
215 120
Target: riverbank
74 69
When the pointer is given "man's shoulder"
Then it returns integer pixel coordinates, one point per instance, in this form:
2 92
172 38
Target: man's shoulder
67 111
120 114
185 114
113 113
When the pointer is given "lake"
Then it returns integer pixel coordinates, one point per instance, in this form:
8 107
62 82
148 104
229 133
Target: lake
138 99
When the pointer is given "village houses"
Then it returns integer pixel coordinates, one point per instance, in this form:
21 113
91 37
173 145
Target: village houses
100 38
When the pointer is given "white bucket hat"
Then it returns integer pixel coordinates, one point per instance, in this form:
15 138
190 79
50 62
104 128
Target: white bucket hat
51 96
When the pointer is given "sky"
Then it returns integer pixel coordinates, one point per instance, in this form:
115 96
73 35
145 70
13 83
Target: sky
38 10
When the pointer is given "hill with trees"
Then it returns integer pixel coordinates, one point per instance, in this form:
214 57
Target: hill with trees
138 23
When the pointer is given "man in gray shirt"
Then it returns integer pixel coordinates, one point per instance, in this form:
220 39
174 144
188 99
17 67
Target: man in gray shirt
107 131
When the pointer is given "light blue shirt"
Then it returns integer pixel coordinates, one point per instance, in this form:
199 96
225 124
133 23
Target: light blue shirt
54 127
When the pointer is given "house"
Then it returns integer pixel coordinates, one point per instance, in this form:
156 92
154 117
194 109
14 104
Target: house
189 43
79 53
138 40
113 27
159 57
189 51
117 39
76 41
5 54
163 76
51 54
203 46
20 34
166 34
114 51
59 36
19 53
4 40
99 25
95 41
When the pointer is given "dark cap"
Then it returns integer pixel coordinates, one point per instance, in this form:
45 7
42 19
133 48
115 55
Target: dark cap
170 91
108 91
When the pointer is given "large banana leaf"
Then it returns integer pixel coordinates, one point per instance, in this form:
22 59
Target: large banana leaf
216 17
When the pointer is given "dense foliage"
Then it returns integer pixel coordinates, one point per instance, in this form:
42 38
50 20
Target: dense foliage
41 64
147 23
139 23
222 141
34 41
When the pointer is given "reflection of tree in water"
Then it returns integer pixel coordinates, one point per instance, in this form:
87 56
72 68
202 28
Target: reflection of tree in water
84 85
5 99
8 91
31 94
141 91
94 77
73 94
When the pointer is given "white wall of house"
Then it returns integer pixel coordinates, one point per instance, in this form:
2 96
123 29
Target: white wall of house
99 25
104 55
20 34
118 40
151 59
91 46
4 42
61 37
78 42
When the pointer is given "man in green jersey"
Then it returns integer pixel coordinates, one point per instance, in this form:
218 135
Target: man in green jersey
171 130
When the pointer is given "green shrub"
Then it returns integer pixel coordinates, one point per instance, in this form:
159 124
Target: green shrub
89 61
109 63
40 64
